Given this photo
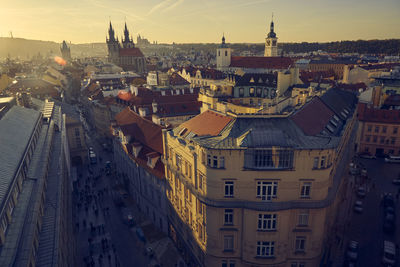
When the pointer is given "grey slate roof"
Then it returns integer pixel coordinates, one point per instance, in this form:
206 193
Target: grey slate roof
16 128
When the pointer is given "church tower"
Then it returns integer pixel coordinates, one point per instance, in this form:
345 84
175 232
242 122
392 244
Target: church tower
271 42
65 51
223 56
127 42
113 46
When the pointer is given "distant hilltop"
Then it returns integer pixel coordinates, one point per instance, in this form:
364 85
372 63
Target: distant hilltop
26 49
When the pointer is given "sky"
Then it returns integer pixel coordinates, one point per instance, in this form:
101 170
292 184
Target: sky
201 21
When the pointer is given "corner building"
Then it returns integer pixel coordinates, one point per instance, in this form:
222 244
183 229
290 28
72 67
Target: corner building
258 190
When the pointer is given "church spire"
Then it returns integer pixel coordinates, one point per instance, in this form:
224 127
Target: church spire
111 34
126 33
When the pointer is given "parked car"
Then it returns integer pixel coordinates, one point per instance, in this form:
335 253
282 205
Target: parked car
389 253
396 181
392 159
388 200
361 192
352 251
358 206
353 169
389 223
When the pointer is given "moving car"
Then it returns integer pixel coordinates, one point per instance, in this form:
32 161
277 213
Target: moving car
358 206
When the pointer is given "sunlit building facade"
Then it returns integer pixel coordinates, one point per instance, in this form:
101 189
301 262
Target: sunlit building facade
259 190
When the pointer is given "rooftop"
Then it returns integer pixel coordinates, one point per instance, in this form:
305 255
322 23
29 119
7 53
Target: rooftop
261 62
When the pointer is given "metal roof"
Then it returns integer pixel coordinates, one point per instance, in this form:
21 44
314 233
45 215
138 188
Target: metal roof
16 129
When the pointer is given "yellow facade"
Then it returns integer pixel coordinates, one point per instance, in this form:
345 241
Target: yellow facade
226 213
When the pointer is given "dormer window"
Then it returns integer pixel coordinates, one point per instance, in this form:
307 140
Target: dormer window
152 159
136 147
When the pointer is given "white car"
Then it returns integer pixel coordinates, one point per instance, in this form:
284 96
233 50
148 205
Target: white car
358 206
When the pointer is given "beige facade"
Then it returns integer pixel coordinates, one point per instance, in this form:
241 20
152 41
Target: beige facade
238 205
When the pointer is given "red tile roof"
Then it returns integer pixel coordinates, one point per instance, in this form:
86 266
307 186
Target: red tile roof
315 76
123 95
261 62
313 117
144 131
132 52
207 123
370 114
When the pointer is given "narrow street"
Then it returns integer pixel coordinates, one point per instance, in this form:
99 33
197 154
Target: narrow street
103 238
367 227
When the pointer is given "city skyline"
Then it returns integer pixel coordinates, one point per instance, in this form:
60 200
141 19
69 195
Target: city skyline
183 21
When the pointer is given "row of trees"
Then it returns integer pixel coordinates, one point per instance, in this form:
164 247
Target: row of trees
387 47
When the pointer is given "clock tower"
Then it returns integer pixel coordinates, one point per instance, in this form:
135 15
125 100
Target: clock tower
271 42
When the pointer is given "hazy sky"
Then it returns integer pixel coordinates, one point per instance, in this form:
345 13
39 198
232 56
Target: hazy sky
185 21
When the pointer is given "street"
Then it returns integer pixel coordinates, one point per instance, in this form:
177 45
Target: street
367 227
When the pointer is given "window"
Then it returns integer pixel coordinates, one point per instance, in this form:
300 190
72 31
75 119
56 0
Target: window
323 161
297 264
203 157
178 161
300 243
215 162
265 248
228 217
228 188
369 129
226 53
77 133
285 158
219 53
375 138
263 158
267 190
259 91
251 91
384 129
228 242
392 140
316 161
266 92
382 140
266 222
226 263
377 129
241 92
209 160
303 218
305 190
201 178
368 138
221 162
395 129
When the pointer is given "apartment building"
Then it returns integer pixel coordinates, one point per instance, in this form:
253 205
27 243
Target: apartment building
259 190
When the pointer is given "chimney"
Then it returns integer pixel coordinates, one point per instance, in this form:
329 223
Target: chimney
154 105
376 96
